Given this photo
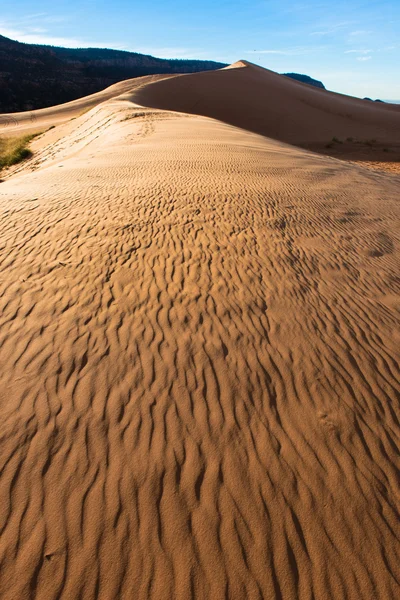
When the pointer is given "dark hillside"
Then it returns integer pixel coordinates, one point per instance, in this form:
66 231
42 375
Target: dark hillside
33 76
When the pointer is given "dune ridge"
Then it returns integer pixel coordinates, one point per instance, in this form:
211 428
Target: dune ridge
199 335
22 123
261 101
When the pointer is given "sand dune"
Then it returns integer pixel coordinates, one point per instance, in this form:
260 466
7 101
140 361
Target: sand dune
199 335
264 102
39 120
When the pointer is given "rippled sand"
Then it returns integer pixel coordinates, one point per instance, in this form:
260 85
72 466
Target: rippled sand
199 335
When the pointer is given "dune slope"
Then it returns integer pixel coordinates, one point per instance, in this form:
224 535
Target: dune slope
264 102
199 367
22 123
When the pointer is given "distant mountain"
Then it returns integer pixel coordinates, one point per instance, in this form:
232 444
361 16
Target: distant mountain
305 79
34 76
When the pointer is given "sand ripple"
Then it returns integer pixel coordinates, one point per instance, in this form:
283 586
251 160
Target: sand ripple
199 369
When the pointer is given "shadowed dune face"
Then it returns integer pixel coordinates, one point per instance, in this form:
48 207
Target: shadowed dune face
264 102
200 370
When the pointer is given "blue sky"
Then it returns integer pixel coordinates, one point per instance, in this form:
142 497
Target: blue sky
353 46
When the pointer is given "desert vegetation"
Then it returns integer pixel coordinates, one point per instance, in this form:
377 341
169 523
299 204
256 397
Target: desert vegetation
15 149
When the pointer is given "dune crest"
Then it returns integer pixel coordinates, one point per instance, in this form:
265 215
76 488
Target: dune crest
199 333
22 123
261 101
237 65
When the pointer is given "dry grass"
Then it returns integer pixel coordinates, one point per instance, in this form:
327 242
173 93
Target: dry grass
14 150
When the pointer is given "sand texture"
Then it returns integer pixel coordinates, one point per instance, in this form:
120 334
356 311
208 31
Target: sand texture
199 334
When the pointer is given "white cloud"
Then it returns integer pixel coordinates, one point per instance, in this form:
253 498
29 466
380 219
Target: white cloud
296 51
34 35
358 51
359 32
34 16
173 52
329 29
30 34
37 30
364 58
285 52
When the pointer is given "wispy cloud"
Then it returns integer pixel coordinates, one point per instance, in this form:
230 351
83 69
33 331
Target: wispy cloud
29 32
39 35
284 52
359 32
172 52
295 51
363 54
34 16
389 48
358 51
332 29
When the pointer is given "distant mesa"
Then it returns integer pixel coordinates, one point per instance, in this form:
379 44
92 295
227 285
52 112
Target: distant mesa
305 79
